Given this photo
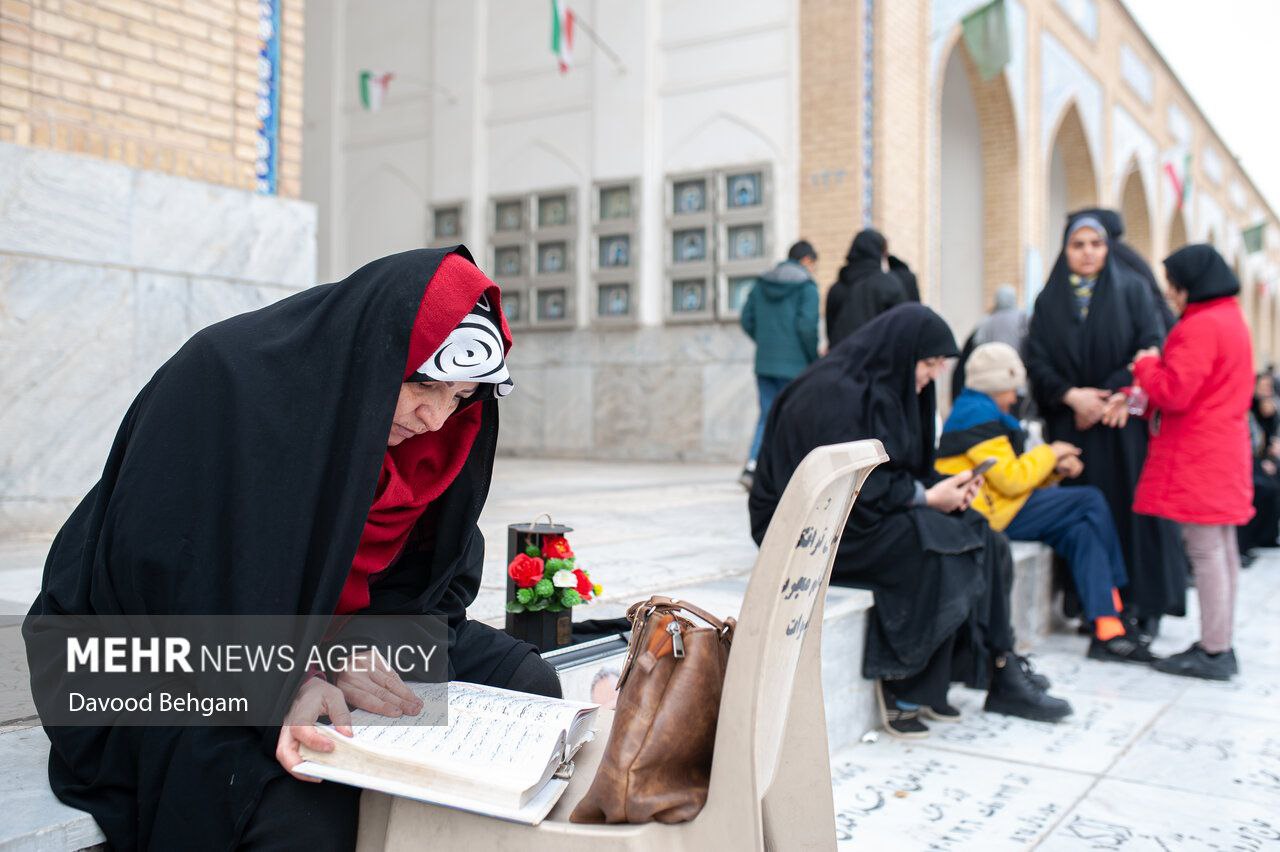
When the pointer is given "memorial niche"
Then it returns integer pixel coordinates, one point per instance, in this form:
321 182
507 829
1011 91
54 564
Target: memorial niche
690 196
690 245
615 251
614 300
508 261
448 222
552 305
553 211
746 242
689 296
551 258
615 202
743 190
509 215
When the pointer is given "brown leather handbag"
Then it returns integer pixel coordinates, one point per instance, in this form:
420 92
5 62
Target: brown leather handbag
657 764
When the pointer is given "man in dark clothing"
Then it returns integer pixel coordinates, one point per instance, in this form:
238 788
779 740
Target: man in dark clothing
781 316
864 289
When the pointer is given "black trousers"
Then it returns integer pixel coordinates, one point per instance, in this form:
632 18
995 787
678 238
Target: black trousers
293 814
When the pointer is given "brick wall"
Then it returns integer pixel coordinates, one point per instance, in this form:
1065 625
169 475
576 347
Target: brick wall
164 85
830 122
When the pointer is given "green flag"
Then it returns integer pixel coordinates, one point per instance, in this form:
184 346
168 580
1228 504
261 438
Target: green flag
986 34
1253 237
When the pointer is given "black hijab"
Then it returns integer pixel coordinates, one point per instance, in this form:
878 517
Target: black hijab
910 285
1129 260
864 388
239 482
863 290
1201 272
1064 350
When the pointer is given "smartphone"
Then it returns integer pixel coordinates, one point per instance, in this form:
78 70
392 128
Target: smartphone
982 468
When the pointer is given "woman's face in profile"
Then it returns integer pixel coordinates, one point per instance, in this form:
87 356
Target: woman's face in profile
424 406
928 370
1086 252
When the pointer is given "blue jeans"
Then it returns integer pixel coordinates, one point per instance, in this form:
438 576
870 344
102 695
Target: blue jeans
1076 522
769 388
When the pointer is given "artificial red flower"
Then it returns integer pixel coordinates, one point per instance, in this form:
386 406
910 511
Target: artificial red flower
525 570
556 547
584 583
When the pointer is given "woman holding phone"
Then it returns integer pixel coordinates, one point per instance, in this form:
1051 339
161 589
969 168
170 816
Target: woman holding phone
940 575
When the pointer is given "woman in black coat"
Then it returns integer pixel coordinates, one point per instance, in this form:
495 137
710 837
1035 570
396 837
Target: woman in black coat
939 574
1089 321
864 288
327 455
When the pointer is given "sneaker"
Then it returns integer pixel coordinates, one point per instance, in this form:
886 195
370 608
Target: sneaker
1248 558
1197 662
1041 682
1232 665
748 476
904 724
941 713
1120 649
1013 693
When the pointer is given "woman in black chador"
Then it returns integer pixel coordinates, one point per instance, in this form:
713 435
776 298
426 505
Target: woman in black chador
328 454
865 288
940 575
1088 322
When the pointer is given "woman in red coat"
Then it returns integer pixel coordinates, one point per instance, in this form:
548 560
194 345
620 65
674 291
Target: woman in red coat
1198 470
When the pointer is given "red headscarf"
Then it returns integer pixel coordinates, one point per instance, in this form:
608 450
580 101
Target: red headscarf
419 469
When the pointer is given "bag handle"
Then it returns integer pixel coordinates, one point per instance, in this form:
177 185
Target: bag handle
643 609
640 611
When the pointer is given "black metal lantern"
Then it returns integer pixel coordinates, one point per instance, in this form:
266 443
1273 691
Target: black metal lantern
544 629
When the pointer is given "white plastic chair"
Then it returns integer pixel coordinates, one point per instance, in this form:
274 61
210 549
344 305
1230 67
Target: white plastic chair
771 777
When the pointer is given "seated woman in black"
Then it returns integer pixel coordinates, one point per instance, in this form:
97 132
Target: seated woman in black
1264 431
327 454
940 575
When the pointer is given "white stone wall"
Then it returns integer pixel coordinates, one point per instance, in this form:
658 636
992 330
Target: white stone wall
479 110
104 272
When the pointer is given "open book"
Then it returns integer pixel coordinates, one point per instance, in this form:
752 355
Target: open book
505 754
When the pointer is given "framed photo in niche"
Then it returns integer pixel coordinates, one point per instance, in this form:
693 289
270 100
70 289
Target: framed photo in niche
553 305
746 242
447 223
613 300
689 196
743 190
509 215
739 288
689 296
552 257
512 306
615 202
553 211
615 251
689 245
508 261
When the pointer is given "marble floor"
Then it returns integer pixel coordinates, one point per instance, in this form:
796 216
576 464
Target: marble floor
1147 761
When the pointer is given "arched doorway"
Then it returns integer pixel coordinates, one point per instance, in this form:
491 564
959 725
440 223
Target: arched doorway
1137 216
1073 181
978 204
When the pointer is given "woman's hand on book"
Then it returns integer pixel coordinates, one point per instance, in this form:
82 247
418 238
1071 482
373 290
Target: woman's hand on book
368 682
315 698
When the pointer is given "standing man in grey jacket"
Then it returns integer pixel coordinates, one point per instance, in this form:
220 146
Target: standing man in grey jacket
781 316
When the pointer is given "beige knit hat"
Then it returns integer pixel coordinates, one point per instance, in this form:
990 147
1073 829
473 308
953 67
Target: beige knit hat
994 368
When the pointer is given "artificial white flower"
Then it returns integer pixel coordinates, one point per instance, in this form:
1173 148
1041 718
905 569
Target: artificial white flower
565 580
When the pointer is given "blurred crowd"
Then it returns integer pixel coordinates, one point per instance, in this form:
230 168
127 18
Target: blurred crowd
1119 423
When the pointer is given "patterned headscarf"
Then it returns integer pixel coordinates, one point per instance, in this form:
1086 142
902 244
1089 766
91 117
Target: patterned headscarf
473 352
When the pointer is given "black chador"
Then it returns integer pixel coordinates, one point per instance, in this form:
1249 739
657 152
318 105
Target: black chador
1090 345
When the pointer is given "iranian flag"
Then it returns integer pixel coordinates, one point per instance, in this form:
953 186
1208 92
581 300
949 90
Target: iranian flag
373 88
562 34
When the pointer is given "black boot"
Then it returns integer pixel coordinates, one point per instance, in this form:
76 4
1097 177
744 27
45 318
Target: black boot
1013 693
1120 649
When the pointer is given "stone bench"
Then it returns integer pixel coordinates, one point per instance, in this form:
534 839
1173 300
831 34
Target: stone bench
35 820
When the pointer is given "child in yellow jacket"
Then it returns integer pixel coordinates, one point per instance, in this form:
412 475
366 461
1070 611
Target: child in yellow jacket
1016 495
